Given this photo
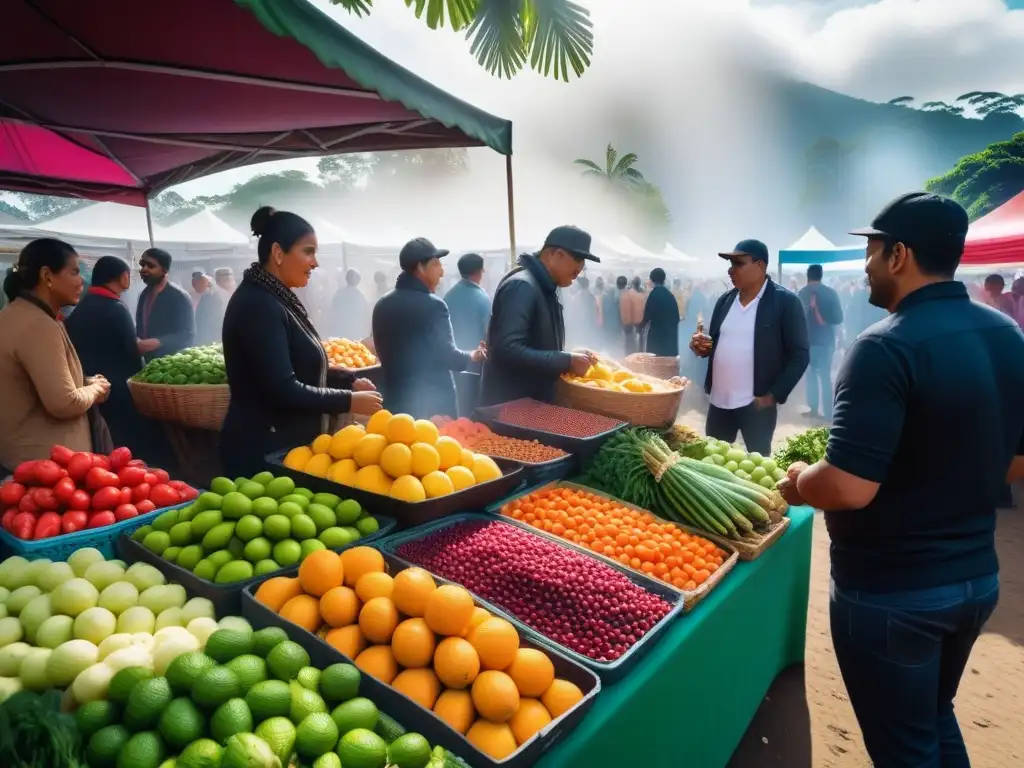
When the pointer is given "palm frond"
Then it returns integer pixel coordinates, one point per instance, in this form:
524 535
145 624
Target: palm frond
633 176
970 95
358 7
459 12
901 101
590 165
610 156
593 173
625 162
498 37
559 35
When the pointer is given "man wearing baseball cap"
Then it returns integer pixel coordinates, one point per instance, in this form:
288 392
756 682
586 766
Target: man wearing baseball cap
757 345
412 334
935 387
526 334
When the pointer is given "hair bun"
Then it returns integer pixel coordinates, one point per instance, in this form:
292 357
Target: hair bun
261 220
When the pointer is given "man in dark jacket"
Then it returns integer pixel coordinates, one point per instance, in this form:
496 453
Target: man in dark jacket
468 304
757 350
661 318
412 333
209 309
164 318
526 335
823 312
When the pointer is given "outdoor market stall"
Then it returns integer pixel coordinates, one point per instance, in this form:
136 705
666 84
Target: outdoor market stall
814 248
997 238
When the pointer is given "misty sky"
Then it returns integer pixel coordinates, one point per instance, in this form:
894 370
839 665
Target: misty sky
930 49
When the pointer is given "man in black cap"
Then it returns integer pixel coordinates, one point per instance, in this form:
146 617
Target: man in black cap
526 335
412 334
164 317
934 388
757 350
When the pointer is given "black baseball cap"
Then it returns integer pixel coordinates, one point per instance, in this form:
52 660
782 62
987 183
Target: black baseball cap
755 249
571 239
919 219
417 251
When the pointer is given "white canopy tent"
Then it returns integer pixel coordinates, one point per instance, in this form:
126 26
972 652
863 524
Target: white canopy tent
202 227
675 256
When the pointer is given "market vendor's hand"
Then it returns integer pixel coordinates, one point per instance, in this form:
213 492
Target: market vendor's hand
101 386
787 485
366 403
363 385
148 345
700 344
580 362
479 354
764 401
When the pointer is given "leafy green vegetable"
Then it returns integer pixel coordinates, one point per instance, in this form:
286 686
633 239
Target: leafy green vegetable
34 733
808 446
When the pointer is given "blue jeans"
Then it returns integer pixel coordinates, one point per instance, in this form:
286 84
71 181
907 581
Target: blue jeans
819 378
902 655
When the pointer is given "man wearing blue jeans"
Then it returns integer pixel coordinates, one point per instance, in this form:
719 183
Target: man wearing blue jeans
824 312
914 569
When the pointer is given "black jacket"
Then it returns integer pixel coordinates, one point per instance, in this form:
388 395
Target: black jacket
209 317
525 338
413 335
781 352
661 319
281 385
171 319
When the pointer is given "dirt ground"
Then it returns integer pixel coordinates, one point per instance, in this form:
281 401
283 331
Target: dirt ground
806 721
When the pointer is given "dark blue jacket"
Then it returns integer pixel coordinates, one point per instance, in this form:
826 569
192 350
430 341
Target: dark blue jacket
171 319
781 351
412 333
470 310
281 384
821 333
661 318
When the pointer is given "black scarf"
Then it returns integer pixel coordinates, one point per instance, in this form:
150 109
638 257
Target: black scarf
258 275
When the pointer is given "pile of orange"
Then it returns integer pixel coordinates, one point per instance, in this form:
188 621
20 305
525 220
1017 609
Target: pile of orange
349 354
635 538
431 643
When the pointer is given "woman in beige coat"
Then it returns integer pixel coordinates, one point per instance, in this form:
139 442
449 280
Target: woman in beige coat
46 398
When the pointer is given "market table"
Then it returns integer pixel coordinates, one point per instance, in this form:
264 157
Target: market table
693 695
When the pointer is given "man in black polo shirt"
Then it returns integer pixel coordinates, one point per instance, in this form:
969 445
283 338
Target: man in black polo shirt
928 425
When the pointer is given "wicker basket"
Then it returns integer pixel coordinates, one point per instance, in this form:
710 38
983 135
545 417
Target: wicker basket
652 365
202 406
648 409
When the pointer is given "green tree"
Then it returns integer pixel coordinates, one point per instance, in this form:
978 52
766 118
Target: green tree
942 106
170 207
345 172
987 103
44 207
13 211
985 180
618 171
291 189
901 101
555 36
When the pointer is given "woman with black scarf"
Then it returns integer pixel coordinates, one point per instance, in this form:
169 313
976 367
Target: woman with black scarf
283 392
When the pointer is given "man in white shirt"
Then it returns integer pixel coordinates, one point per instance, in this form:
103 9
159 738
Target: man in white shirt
758 350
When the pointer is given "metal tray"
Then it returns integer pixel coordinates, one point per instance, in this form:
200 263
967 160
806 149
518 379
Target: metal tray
609 671
413 716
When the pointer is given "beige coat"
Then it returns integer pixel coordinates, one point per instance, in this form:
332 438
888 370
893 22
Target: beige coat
44 401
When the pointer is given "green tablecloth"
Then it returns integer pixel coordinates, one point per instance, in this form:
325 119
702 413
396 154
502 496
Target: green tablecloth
690 699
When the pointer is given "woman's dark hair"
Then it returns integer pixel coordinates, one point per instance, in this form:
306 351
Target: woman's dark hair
281 227
107 270
44 252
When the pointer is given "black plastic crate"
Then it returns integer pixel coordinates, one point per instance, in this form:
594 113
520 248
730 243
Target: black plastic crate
413 716
609 671
407 514
226 598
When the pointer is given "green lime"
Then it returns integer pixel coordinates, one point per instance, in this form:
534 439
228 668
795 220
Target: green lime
264 507
263 477
367 526
157 541
205 569
316 735
182 672
303 528
356 713
280 487
257 549
409 751
287 552
226 644
212 500
263 567
143 750
336 538
248 527
215 686
104 746
309 546
190 556
185 515
236 546
235 506
265 639
277 527
250 668
305 493
229 718
309 677
328 500
289 509
348 512
304 702
362 748
330 760
181 724
181 534
141 533
146 702
279 733
95 715
322 516
166 521
236 570
205 521
222 486
294 498
220 558
339 682
170 554
124 680
352 533
286 659
239 481
269 698
252 489
204 753
218 536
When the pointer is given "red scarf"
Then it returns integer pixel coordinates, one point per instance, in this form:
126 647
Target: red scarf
99 290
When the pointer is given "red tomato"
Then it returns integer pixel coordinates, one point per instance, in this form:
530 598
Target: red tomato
106 498
23 525
119 458
126 495
178 485
11 493
164 496
150 479
100 519
47 473
140 493
101 461
189 493
47 525
61 455
131 476
145 506
74 520
126 512
161 475
45 499
25 473
28 504
100 478
80 500
8 518
79 466
136 463
64 490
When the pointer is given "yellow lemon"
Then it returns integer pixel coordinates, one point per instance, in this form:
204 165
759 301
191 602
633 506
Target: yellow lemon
318 465
396 460
424 459
321 444
345 440
460 477
408 488
437 484
369 449
484 468
449 451
343 472
401 429
426 431
467 458
378 423
297 458
621 376
373 479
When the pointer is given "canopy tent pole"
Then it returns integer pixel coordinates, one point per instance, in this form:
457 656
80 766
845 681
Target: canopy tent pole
511 209
149 224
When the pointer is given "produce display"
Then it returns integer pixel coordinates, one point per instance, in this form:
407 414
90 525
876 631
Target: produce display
636 539
70 492
685 441
349 354
575 600
33 724
196 365
430 643
479 437
602 375
246 528
809 446
555 419
394 455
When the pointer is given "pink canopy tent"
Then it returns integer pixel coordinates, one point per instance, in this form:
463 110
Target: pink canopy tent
115 100
998 236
